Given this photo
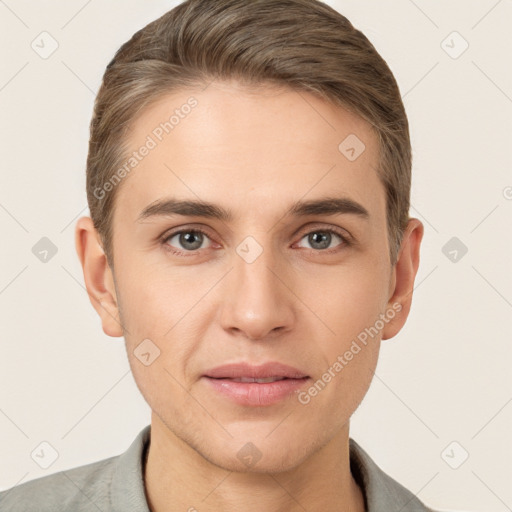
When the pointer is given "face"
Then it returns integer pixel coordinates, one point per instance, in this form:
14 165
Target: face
262 283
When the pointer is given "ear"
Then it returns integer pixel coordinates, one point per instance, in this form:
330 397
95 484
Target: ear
402 279
98 276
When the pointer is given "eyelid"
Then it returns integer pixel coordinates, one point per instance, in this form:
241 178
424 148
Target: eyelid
319 226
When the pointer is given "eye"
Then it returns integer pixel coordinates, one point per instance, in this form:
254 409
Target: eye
188 239
320 239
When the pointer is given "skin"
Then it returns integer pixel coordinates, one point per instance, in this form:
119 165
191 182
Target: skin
254 152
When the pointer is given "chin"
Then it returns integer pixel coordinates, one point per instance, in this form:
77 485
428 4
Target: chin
261 454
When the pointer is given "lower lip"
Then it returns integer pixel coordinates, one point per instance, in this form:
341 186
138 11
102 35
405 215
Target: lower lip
257 394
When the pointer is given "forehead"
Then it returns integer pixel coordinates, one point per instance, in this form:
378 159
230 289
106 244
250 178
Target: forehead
250 150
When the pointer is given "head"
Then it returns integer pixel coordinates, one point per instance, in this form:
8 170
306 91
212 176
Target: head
257 111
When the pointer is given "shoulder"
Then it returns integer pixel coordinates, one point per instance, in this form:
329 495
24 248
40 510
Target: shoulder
84 488
382 492
113 484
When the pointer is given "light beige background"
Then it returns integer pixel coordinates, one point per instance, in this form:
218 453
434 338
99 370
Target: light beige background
446 377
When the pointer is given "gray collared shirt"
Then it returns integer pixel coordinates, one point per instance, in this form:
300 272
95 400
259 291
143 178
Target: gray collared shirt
116 484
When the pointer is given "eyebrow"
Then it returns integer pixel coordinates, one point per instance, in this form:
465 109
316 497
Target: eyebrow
193 208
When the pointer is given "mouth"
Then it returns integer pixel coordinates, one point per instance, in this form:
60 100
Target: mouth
257 391
256 385
268 372
251 392
253 379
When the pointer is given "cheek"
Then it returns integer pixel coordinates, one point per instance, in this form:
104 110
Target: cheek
161 306
153 299
350 347
349 303
346 300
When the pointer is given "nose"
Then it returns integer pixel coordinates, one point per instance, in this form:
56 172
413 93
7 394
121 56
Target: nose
257 302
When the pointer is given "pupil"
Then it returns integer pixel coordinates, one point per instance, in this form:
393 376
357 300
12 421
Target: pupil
186 239
324 239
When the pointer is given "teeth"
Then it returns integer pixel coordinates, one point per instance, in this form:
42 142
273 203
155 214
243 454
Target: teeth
251 379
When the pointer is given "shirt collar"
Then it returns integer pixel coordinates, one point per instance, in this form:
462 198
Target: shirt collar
127 489
381 492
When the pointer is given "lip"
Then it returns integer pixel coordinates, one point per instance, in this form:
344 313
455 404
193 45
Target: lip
242 369
255 394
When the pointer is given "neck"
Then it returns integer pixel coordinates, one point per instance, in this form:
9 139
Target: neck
179 478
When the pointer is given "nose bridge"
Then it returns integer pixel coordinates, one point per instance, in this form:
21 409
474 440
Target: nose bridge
258 302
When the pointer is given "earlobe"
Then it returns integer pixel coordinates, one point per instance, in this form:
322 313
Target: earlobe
98 276
404 274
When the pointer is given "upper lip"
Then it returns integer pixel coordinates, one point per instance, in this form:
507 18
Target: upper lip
242 369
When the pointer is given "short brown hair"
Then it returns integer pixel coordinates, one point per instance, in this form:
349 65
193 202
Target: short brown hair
303 44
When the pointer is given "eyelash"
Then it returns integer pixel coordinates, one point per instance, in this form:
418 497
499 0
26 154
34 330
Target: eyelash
166 237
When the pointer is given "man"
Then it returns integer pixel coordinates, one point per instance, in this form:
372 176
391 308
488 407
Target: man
248 181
